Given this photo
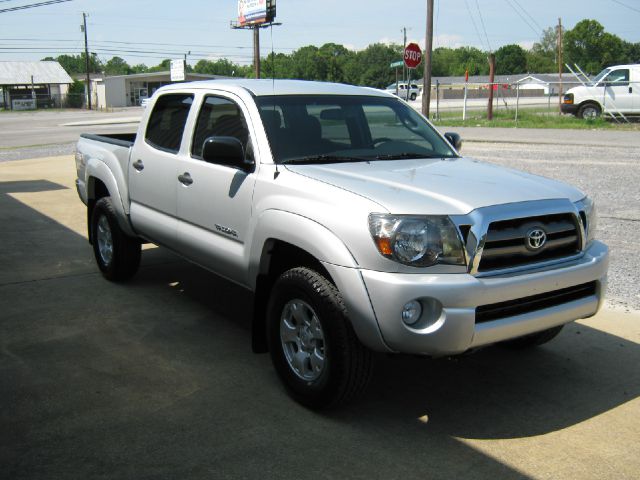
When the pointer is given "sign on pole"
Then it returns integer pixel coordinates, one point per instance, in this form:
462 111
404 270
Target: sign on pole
412 55
177 70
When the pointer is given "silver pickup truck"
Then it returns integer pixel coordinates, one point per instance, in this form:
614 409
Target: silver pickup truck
355 224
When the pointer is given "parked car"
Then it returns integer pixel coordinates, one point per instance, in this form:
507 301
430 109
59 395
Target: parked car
356 225
403 92
615 90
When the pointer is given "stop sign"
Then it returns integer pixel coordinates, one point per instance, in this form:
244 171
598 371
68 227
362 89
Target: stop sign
412 55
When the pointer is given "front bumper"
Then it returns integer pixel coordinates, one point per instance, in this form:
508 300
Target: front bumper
448 325
569 108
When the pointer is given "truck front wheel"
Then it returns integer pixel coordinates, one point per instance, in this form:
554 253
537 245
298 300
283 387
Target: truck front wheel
589 111
313 346
117 255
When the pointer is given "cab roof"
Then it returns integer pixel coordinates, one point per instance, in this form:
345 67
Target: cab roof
267 87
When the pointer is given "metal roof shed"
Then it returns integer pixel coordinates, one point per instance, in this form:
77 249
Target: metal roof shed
27 85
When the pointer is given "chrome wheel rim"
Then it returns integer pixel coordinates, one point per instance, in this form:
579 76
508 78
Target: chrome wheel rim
105 240
302 340
590 112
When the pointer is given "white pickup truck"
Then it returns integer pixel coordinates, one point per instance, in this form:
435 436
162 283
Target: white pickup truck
356 225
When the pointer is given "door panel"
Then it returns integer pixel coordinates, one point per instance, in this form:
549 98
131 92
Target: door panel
214 212
617 95
153 167
214 206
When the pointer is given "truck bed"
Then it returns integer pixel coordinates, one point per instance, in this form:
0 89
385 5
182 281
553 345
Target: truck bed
120 139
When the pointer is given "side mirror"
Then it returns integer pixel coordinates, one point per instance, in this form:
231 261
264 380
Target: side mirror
454 139
226 151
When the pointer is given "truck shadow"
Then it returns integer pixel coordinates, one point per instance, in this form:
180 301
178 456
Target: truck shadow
95 372
493 393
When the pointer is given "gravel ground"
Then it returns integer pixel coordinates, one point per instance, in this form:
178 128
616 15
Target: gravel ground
25 153
610 175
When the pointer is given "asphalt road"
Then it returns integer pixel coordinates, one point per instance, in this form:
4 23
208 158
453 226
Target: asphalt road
155 378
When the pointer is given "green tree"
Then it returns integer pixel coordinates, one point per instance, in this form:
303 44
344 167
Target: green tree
163 66
76 94
140 68
510 60
75 64
589 46
373 65
117 66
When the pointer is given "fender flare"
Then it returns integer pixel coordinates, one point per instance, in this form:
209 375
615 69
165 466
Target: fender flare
300 231
326 247
97 169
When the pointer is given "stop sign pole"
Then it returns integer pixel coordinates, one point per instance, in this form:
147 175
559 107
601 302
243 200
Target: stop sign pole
412 58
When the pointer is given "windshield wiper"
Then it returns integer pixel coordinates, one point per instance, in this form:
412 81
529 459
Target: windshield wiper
406 155
311 159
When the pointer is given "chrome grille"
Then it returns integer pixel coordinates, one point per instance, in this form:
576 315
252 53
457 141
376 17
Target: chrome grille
515 243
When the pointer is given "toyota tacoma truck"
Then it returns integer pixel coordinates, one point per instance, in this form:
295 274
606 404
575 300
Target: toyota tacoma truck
355 224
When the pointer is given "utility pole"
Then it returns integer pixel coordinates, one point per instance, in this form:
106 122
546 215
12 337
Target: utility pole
86 58
256 50
404 67
560 65
426 85
492 73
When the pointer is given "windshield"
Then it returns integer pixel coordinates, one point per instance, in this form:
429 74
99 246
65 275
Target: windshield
338 128
599 77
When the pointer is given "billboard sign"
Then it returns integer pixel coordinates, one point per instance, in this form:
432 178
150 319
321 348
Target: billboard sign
254 12
177 70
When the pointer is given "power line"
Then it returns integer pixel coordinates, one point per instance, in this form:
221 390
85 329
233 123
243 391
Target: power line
483 27
33 5
521 16
100 42
625 5
475 27
540 29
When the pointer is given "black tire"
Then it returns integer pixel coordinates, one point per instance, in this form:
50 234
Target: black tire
589 111
413 96
534 339
119 260
347 364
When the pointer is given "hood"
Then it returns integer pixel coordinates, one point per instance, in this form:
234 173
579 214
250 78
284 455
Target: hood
437 186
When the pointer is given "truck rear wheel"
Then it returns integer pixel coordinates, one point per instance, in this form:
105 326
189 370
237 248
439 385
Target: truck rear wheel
534 339
117 255
313 347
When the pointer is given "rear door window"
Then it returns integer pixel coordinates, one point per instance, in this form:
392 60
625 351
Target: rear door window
167 121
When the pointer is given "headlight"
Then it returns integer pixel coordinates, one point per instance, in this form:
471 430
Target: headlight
416 240
587 209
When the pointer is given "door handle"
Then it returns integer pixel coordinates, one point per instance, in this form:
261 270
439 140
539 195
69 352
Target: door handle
185 179
138 165
630 89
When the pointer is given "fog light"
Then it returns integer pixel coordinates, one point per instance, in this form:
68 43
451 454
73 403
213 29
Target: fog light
411 312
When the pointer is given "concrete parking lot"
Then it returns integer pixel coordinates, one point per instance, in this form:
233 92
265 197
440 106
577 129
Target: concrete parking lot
155 378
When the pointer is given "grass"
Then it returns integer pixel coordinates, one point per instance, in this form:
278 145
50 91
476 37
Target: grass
531 118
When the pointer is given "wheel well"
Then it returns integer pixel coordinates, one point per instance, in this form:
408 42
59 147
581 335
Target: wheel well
96 190
277 258
590 102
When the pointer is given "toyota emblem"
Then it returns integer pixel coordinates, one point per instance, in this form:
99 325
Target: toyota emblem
536 238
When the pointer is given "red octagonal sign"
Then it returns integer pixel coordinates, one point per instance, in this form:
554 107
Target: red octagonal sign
412 55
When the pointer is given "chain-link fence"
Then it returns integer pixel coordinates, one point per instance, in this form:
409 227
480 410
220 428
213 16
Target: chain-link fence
40 101
462 100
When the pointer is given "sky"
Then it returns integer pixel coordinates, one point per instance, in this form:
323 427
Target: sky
147 31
